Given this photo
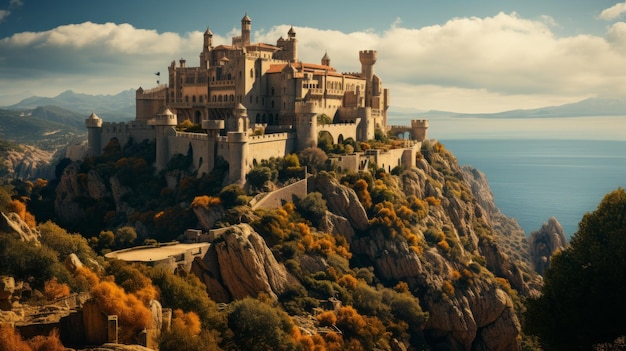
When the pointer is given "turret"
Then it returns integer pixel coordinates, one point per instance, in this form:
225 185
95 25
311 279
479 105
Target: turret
294 44
94 135
368 59
326 60
238 146
420 129
205 55
164 123
246 28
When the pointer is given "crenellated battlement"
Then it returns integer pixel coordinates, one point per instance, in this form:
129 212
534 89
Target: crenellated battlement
368 57
419 123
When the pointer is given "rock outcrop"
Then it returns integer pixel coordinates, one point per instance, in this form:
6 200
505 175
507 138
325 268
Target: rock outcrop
28 162
240 264
12 223
340 200
544 242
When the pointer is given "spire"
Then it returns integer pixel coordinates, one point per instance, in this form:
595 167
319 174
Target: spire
326 59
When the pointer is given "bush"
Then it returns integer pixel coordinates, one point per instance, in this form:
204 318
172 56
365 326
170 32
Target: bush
259 326
311 207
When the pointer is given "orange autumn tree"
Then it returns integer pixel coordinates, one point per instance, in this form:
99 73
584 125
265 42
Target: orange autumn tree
133 316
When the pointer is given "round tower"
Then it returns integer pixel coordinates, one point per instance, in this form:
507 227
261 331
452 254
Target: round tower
368 59
246 28
164 123
420 129
294 44
94 135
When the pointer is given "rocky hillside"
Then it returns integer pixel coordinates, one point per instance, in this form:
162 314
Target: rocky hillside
418 259
27 162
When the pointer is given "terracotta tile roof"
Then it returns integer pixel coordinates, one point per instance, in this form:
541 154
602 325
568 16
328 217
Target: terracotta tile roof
276 68
262 46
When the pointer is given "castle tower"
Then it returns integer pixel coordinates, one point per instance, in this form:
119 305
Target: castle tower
205 55
246 28
294 44
368 59
420 129
325 59
94 135
164 123
238 146
212 128
306 125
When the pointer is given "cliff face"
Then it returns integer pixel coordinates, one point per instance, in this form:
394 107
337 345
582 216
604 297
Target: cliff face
470 307
29 162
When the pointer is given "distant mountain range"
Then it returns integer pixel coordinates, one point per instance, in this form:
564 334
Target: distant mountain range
52 123
587 107
113 108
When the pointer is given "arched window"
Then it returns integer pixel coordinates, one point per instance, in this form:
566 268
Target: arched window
272 91
272 103
229 77
193 98
258 118
251 73
232 97
186 98
214 98
219 98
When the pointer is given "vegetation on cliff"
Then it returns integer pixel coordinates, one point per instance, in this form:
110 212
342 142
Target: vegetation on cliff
373 260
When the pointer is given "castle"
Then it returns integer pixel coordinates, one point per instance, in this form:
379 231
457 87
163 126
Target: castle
256 101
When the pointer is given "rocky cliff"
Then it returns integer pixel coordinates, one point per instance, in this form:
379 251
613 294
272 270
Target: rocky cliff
545 242
28 162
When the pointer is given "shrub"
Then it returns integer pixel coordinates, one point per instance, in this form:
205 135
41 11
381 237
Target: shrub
327 318
53 290
311 207
259 326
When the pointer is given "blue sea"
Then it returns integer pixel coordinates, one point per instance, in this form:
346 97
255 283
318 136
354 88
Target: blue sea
533 180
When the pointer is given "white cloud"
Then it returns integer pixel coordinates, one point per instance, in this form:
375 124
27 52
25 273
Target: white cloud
466 64
613 12
4 14
16 3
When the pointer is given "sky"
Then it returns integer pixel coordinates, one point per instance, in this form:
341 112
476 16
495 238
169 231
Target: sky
474 56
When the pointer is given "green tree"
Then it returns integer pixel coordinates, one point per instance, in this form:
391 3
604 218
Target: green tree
583 296
125 237
259 175
259 326
233 195
312 207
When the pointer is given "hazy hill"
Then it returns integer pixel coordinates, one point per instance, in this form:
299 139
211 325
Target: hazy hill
47 127
587 107
119 107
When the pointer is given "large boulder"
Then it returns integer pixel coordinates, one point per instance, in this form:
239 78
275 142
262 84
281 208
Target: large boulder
340 200
240 264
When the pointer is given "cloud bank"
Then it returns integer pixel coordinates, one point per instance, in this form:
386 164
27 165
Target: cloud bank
466 64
